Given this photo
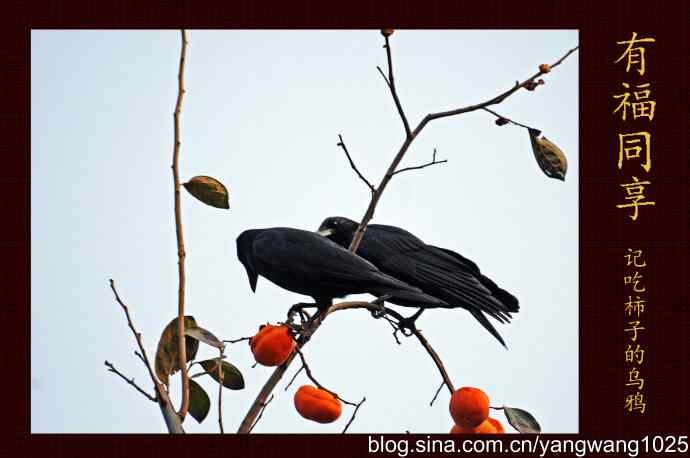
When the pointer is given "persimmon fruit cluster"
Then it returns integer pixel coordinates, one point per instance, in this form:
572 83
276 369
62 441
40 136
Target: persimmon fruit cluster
272 345
469 408
317 405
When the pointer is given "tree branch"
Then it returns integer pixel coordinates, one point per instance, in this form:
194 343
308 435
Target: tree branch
113 369
390 81
220 390
341 143
172 420
437 392
181 254
428 164
369 214
357 406
505 119
261 413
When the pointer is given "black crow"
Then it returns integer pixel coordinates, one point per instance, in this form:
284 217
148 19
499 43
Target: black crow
306 263
437 271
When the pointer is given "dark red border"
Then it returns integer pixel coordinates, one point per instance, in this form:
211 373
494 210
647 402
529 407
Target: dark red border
604 235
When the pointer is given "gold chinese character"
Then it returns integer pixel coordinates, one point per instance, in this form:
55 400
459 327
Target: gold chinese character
635 402
633 256
635 281
635 195
629 148
634 379
642 108
634 306
636 355
633 53
635 327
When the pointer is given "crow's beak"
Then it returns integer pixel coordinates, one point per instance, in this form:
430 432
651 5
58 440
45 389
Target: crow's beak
326 232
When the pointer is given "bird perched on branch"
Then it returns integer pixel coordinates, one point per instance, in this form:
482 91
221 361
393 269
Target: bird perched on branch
304 262
438 272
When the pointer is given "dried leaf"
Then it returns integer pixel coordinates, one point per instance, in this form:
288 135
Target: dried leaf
232 377
208 190
204 336
199 402
167 359
522 420
550 158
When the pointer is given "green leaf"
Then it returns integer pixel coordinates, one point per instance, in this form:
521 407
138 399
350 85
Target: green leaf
208 190
550 158
199 402
522 420
167 355
232 377
204 336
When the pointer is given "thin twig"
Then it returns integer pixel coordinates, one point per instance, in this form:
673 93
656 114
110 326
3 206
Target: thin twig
172 420
428 164
294 377
341 144
309 373
137 335
181 254
237 340
221 376
499 116
394 92
414 331
114 370
359 404
261 413
437 392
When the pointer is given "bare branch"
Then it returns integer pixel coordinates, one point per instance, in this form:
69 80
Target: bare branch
113 369
261 413
437 392
505 119
220 390
237 340
172 420
359 404
369 214
390 81
494 101
428 164
294 377
137 335
341 143
181 254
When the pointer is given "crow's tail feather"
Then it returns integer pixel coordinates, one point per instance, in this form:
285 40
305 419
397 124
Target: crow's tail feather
487 325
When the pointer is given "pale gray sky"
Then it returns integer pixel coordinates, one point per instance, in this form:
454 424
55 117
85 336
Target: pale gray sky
262 113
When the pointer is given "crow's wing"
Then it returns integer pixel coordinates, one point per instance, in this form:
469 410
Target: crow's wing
436 271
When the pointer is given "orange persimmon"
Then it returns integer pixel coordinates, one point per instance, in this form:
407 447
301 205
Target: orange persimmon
317 405
488 426
469 407
272 345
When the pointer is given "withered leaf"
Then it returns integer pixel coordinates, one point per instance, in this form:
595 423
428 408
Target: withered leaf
167 354
208 190
232 377
550 158
522 420
199 402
